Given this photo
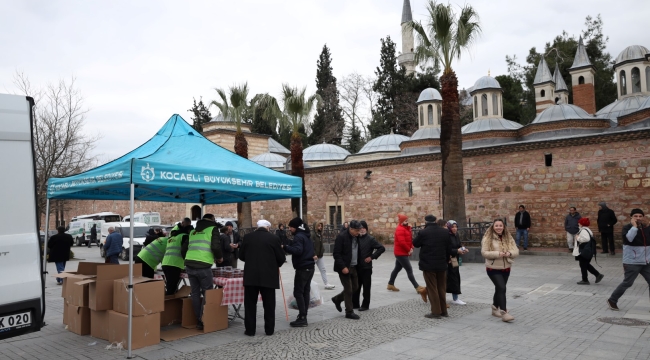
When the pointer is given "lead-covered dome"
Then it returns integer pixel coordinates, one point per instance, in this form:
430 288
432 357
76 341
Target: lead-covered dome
429 94
221 118
276 147
562 112
426 133
388 142
490 124
324 152
631 53
270 160
486 83
622 107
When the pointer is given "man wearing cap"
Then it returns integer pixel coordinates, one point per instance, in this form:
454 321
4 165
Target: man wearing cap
346 258
636 254
369 250
302 257
262 256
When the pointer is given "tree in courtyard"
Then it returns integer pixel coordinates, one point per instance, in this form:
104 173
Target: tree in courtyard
328 123
200 114
352 102
340 184
263 123
443 39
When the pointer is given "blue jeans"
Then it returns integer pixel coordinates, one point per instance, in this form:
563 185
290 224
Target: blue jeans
454 297
60 266
522 233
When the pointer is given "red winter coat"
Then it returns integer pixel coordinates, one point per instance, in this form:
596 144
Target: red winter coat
403 240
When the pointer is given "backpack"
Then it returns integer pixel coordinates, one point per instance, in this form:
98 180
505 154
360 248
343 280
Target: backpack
588 249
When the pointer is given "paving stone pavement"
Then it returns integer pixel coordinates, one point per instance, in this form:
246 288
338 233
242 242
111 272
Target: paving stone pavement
555 319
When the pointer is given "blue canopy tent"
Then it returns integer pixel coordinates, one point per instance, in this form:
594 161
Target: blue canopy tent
177 165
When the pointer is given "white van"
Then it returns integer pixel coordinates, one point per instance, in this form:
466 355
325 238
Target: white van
22 286
149 218
139 231
106 216
80 230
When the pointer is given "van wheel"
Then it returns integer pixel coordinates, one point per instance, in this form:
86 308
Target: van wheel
125 254
78 241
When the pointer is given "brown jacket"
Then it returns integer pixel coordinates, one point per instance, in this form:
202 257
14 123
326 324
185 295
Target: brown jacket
491 254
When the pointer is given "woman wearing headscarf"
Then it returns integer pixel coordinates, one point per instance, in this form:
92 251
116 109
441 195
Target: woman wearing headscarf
584 255
499 249
453 271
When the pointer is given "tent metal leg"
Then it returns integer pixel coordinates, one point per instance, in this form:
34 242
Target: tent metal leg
47 228
130 332
300 209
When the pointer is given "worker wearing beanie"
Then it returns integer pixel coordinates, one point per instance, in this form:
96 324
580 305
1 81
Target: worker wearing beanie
636 254
302 257
403 248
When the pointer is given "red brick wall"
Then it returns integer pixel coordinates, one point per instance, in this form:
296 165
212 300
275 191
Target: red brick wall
584 96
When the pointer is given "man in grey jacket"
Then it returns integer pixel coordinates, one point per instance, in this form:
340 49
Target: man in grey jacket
571 226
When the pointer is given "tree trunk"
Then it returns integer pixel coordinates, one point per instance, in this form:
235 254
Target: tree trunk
244 216
451 149
298 169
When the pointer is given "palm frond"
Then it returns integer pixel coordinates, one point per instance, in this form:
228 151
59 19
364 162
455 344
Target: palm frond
223 106
239 102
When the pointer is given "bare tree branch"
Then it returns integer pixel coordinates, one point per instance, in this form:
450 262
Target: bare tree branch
339 184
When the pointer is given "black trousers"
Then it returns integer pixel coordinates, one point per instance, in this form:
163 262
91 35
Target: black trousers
301 288
499 279
250 308
147 271
607 240
350 284
172 278
365 281
585 265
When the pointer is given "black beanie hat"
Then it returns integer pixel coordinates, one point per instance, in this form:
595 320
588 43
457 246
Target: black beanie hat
430 218
636 211
295 222
364 224
355 224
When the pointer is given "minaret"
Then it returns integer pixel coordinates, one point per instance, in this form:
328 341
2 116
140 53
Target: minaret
561 90
407 57
582 80
544 87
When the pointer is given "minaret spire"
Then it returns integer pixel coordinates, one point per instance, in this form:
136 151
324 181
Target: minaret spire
407 57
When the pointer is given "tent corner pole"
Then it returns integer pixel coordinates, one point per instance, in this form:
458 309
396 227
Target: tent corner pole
47 233
130 330
300 209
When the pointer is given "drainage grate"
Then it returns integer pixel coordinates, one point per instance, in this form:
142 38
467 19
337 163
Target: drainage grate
623 321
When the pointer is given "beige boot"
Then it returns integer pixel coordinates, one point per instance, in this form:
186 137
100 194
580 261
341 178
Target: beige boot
422 291
392 287
506 317
495 311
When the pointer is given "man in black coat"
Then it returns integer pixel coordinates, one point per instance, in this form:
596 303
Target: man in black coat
434 256
234 243
606 220
93 235
263 256
346 257
522 224
302 257
369 250
59 246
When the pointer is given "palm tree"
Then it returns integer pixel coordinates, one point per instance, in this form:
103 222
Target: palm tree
296 110
443 39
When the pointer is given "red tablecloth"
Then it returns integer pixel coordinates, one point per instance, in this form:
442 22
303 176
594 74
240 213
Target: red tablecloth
233 289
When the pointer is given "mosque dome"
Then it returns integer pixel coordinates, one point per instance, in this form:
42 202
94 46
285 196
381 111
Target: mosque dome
631 53
562 112
270 160
623 107
324 152
426 133
276 147
490 124
220 118
429 94
486 83
388 142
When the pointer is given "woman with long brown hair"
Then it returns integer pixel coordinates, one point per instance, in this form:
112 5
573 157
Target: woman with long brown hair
499 249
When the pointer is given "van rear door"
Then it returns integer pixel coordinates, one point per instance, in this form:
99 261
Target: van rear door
21 283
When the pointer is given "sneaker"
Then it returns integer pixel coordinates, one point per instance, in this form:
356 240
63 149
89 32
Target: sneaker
506 317
363 309
612 305
583 282
301 321
459 302
199 325
392 287
352 315
599 277
329 286
432 316
337 304
495 311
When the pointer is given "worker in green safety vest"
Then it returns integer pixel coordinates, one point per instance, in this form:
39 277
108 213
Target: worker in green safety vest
151 254
200 252
173 262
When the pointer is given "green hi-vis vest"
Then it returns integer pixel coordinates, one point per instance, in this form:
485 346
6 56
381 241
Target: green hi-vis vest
173 255
153 253
199 246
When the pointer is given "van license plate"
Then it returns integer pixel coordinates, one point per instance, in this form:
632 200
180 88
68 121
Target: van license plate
15 321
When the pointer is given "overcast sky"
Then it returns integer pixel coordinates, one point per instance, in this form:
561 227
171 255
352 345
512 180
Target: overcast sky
139 62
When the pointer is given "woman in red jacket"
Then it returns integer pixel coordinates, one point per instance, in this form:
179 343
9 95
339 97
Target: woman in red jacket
403 248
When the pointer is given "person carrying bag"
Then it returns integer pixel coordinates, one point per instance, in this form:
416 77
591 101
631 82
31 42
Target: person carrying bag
584 249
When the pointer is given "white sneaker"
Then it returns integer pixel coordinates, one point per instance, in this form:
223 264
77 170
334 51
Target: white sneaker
329 287
458 302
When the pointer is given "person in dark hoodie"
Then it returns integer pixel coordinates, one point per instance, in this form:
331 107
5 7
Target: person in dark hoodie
571 226
346 257
226 248
200 251
369 250
302 257
606 220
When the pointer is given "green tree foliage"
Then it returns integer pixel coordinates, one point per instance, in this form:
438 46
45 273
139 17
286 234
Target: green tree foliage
328 123
355 142
200 114
561 51
263 122
513 93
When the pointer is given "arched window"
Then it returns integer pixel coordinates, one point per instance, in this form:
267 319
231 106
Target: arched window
475 107
557 100
484 105
636 80
495 104
623 81
542 93
439 107
430 114
647 78
581 80
421 117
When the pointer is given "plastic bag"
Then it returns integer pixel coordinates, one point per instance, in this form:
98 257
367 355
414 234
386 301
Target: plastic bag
315 298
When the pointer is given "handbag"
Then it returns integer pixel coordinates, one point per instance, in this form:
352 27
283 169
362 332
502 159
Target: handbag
454 262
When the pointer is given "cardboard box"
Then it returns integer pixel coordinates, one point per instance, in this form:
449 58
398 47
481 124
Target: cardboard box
78 319
173 313
215 316
145 330
148 296
83 268
99 324
77 293
65 313
100 292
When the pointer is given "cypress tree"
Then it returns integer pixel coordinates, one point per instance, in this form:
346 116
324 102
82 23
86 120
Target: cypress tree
328 123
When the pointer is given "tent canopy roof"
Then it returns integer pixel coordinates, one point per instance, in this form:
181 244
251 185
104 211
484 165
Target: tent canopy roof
178 165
